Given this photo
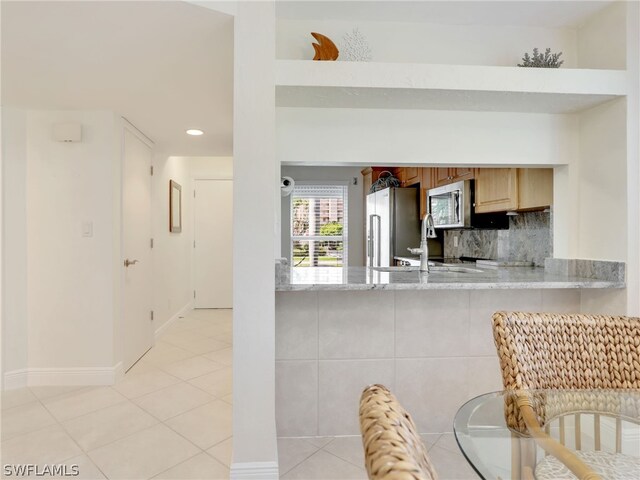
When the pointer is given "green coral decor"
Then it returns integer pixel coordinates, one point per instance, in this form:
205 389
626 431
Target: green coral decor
539 60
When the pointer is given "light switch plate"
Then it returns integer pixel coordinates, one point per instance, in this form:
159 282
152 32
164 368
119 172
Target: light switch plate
87 228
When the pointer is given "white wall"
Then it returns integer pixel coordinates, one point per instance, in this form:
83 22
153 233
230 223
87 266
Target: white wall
210 167
602 39
596 212
633 158
355 202
172 262
62 304
316 136
14 273
602 218
71 278
255 196
172 290
429 43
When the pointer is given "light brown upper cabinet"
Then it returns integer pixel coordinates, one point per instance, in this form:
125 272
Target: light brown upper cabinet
462 174
445 176
367 180
504 189
407 175
412 176
535 188
496 189
441 176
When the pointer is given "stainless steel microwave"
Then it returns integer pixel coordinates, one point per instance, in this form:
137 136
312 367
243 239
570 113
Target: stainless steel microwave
451 206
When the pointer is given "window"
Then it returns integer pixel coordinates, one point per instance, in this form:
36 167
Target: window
319 226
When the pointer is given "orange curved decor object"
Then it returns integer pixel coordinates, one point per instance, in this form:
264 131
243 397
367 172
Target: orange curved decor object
325 48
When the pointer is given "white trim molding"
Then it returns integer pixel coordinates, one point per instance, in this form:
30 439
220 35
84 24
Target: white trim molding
15 379
254 471
180 313
36 377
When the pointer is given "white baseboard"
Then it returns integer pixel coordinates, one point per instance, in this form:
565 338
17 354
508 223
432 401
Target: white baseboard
181 313
15 379
36 377
254 471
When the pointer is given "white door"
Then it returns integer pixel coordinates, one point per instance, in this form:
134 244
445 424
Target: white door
212 246
137 329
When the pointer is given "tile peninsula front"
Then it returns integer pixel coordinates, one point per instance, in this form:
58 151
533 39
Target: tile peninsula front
432 346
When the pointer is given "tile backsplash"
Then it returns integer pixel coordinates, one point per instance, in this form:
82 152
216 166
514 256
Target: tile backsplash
527 239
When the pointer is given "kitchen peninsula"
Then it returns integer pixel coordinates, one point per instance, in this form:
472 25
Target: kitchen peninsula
427 337
611 275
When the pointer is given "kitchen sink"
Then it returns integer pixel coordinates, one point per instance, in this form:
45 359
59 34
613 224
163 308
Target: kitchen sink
397 269
453 269
441 268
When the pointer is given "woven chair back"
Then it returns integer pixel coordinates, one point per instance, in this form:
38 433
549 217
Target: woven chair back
393 449
564 351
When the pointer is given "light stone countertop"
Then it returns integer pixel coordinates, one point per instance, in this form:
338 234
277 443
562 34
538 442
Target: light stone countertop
364 278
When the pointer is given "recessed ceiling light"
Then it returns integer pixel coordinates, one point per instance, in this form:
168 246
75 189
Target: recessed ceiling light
194 131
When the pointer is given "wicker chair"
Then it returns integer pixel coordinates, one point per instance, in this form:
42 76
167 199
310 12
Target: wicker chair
392 448
541 351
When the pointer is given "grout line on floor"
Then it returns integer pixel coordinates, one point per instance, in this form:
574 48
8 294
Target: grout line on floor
361 467
173 466
190 441
434 443
344 459
301 461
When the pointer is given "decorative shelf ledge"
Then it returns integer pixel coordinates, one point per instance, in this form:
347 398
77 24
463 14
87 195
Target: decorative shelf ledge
444 87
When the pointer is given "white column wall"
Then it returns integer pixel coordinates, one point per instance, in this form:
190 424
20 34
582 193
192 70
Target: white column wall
254 198
14 239
633 159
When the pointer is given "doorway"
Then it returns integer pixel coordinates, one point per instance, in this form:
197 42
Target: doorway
212 246
137 329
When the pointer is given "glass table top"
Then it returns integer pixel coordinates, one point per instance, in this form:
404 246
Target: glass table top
601 427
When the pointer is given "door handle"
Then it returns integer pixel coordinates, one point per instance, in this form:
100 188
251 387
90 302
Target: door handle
378 246
370 241
128 263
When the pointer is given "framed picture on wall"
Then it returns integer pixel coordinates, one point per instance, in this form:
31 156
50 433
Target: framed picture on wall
175 207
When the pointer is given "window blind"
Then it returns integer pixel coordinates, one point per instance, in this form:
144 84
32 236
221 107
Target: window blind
319 226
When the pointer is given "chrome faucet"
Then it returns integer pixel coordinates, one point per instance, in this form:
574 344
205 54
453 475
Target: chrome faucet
428 231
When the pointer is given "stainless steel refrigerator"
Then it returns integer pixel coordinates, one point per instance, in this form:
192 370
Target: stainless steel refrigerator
392 224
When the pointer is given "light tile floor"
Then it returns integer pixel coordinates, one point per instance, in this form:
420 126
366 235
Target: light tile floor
169 418
341 458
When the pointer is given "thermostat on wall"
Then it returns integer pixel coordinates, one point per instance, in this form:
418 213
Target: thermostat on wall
67 132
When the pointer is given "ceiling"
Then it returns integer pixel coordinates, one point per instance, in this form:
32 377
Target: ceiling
557 13
164 65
